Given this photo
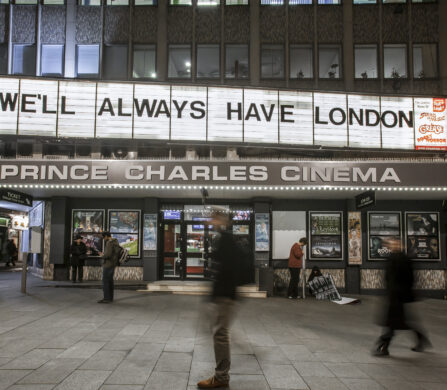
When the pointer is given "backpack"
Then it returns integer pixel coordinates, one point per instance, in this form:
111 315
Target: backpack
123 256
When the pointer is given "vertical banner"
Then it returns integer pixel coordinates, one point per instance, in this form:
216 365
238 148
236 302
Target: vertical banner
262 229
430 123
355 237
150 232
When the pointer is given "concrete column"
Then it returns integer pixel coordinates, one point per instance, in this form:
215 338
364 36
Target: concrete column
150 258
255 46
70 39
316 61
442 46
348 47
38 38
60 237
352 272
162 40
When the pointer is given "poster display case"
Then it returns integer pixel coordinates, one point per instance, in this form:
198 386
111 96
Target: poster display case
124 225
89 224
422 235
326 235
383 229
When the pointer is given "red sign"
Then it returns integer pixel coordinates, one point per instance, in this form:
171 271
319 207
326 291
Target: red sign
438 105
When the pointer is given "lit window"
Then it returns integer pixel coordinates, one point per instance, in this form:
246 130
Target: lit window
395 61
4 1
236 2
425 61
272 61
3 59
208 61
366 62
179 65
424 1
87 61
301 62
329 2
394 1
236 61
115 62
180 2
145 2
52 60
208 2
117 2
25 1
54 2
329 62
272 2
90 2
24 60
365 1
300 2
144 61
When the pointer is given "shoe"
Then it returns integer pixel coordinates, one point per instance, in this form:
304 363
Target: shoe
422 346
211 383
290 297
104 301
382 350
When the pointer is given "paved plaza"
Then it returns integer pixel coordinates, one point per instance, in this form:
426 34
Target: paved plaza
60 338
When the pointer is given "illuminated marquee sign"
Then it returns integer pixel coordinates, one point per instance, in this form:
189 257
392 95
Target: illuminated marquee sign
164 112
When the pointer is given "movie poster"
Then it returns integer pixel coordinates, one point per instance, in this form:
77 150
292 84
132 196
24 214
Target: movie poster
241 229
88 221
420 247
94 243
326 247
129 242
380 247
355 237
150 232
384 224
262 229
422 224
325 223
124 221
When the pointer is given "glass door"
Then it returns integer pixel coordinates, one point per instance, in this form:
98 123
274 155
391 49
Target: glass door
196 254
172 250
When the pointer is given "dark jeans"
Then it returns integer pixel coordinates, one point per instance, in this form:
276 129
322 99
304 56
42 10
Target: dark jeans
107 283
294 281
77 269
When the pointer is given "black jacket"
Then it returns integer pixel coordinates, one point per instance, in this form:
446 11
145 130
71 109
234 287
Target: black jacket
78 254
225 265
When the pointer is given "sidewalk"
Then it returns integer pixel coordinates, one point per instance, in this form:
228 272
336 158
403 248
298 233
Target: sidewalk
60 338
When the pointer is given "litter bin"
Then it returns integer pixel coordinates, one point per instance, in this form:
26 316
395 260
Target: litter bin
266 280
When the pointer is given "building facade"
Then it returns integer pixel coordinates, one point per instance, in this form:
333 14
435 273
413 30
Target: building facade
129 116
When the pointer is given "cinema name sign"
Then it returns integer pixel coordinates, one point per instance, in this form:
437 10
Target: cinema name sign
219 114
283 173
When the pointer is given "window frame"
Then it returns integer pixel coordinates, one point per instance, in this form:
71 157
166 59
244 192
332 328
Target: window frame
225 61
103 62
341 66
376 45
407 63
79 3
309 45
438 68
197 61
282 45
88 75
325 5
191 59
63 60
13 59
133 58
5 45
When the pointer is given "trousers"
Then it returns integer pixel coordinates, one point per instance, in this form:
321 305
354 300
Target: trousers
77 270
107 283
294 281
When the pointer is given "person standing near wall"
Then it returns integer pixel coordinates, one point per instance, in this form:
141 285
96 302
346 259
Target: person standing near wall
78 251
295 265
110 260
12 253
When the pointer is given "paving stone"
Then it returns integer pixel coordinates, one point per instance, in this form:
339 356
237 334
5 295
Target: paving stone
346 370
146 351
432 386
199 371
283 377
83 349
179 344
121 344
319 383
313 369
134 330
270 355
31 387
54 371
331 357
379 371
84 380
122 387
299 353
245 364
398 384
361 384
4 360
9 377
131 372
417 374
174 361
33 359
104 360
248 382
167 381
203 353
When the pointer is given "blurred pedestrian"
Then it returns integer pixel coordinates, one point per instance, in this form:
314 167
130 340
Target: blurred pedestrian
78 252
295 265
224 268
12 253
110 260
397 315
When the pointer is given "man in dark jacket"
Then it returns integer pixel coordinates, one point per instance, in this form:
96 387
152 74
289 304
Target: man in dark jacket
295 264
12 253
110 260
225 267
78 251
399 284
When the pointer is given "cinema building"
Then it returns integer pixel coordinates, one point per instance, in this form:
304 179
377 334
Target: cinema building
324 119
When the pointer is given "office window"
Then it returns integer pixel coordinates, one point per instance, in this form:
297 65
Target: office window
179 65
24 60
117 2
144 61
300 2
208 61
329 62
272 61
90 2
54 2
272 2
145 2
394 61
365 1
87 61
329 2
236 2
52 60
25 1
425 61
424 1
115 62
394 1
3 58
301 62
4 1
208 2
236 61
366 62
180 2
